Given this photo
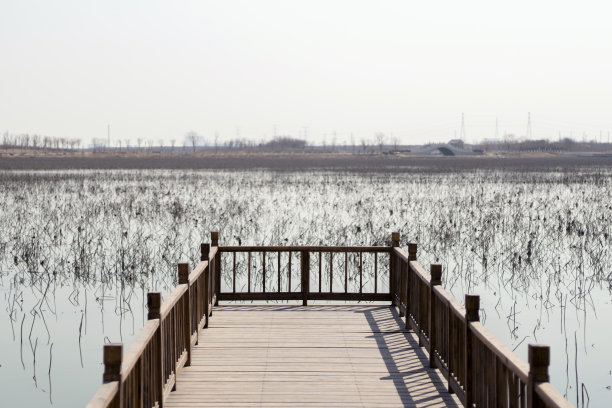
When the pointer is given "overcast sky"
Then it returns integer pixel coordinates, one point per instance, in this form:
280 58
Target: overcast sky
157 69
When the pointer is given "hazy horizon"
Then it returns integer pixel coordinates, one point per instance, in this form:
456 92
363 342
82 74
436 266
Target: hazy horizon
156 70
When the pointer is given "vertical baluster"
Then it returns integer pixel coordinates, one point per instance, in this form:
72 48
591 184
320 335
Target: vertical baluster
360 271
233 272
249 274
264 272
331 273
279 271
289 274
346 272
320 256
375 272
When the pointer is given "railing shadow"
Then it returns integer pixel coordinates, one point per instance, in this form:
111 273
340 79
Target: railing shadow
406 362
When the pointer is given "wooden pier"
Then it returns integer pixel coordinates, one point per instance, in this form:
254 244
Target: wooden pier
421 348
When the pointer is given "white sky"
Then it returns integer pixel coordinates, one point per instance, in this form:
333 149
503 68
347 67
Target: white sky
157 69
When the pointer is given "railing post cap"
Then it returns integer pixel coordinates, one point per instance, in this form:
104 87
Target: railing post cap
395 238
154 305
183 273
412 251
214 238
436 274
153 298
113 352
204 251
472 308
539 354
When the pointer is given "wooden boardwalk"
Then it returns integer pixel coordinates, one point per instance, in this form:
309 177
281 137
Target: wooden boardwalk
314 356
320 355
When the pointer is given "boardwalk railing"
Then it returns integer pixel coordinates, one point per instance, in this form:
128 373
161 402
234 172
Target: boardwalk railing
146 374
478 367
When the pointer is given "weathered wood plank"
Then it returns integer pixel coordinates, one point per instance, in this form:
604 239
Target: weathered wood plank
320 355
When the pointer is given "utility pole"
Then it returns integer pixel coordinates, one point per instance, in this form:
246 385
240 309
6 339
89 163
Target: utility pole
462 135
306 132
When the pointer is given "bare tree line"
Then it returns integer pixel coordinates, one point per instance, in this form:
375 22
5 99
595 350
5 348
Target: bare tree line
36 141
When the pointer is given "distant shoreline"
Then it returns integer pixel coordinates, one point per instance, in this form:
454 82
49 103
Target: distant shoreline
306 162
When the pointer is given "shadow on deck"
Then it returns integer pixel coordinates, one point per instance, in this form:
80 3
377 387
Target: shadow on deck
320 355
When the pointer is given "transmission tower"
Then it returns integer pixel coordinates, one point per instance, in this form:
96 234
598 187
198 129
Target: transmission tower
528 125
496 128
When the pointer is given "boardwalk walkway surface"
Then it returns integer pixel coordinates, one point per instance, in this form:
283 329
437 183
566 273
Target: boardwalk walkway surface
314 356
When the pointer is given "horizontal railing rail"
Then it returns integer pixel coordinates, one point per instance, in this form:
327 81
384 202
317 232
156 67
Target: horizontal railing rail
477 367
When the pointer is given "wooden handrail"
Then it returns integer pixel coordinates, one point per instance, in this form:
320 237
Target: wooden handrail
172 299
458 344
550 397
138 346
501 351
105 395
298 248
197 271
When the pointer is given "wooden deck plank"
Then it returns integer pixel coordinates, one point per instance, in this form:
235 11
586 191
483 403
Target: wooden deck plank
314 356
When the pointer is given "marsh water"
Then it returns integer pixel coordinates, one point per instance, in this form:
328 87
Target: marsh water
79 250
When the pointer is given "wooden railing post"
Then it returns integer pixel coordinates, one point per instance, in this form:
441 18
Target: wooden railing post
206 292
154 306
395 238
472 307
539 359
183 277
406 284
305 275
435 279
214 241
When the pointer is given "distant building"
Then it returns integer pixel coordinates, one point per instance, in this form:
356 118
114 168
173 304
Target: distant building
457 143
